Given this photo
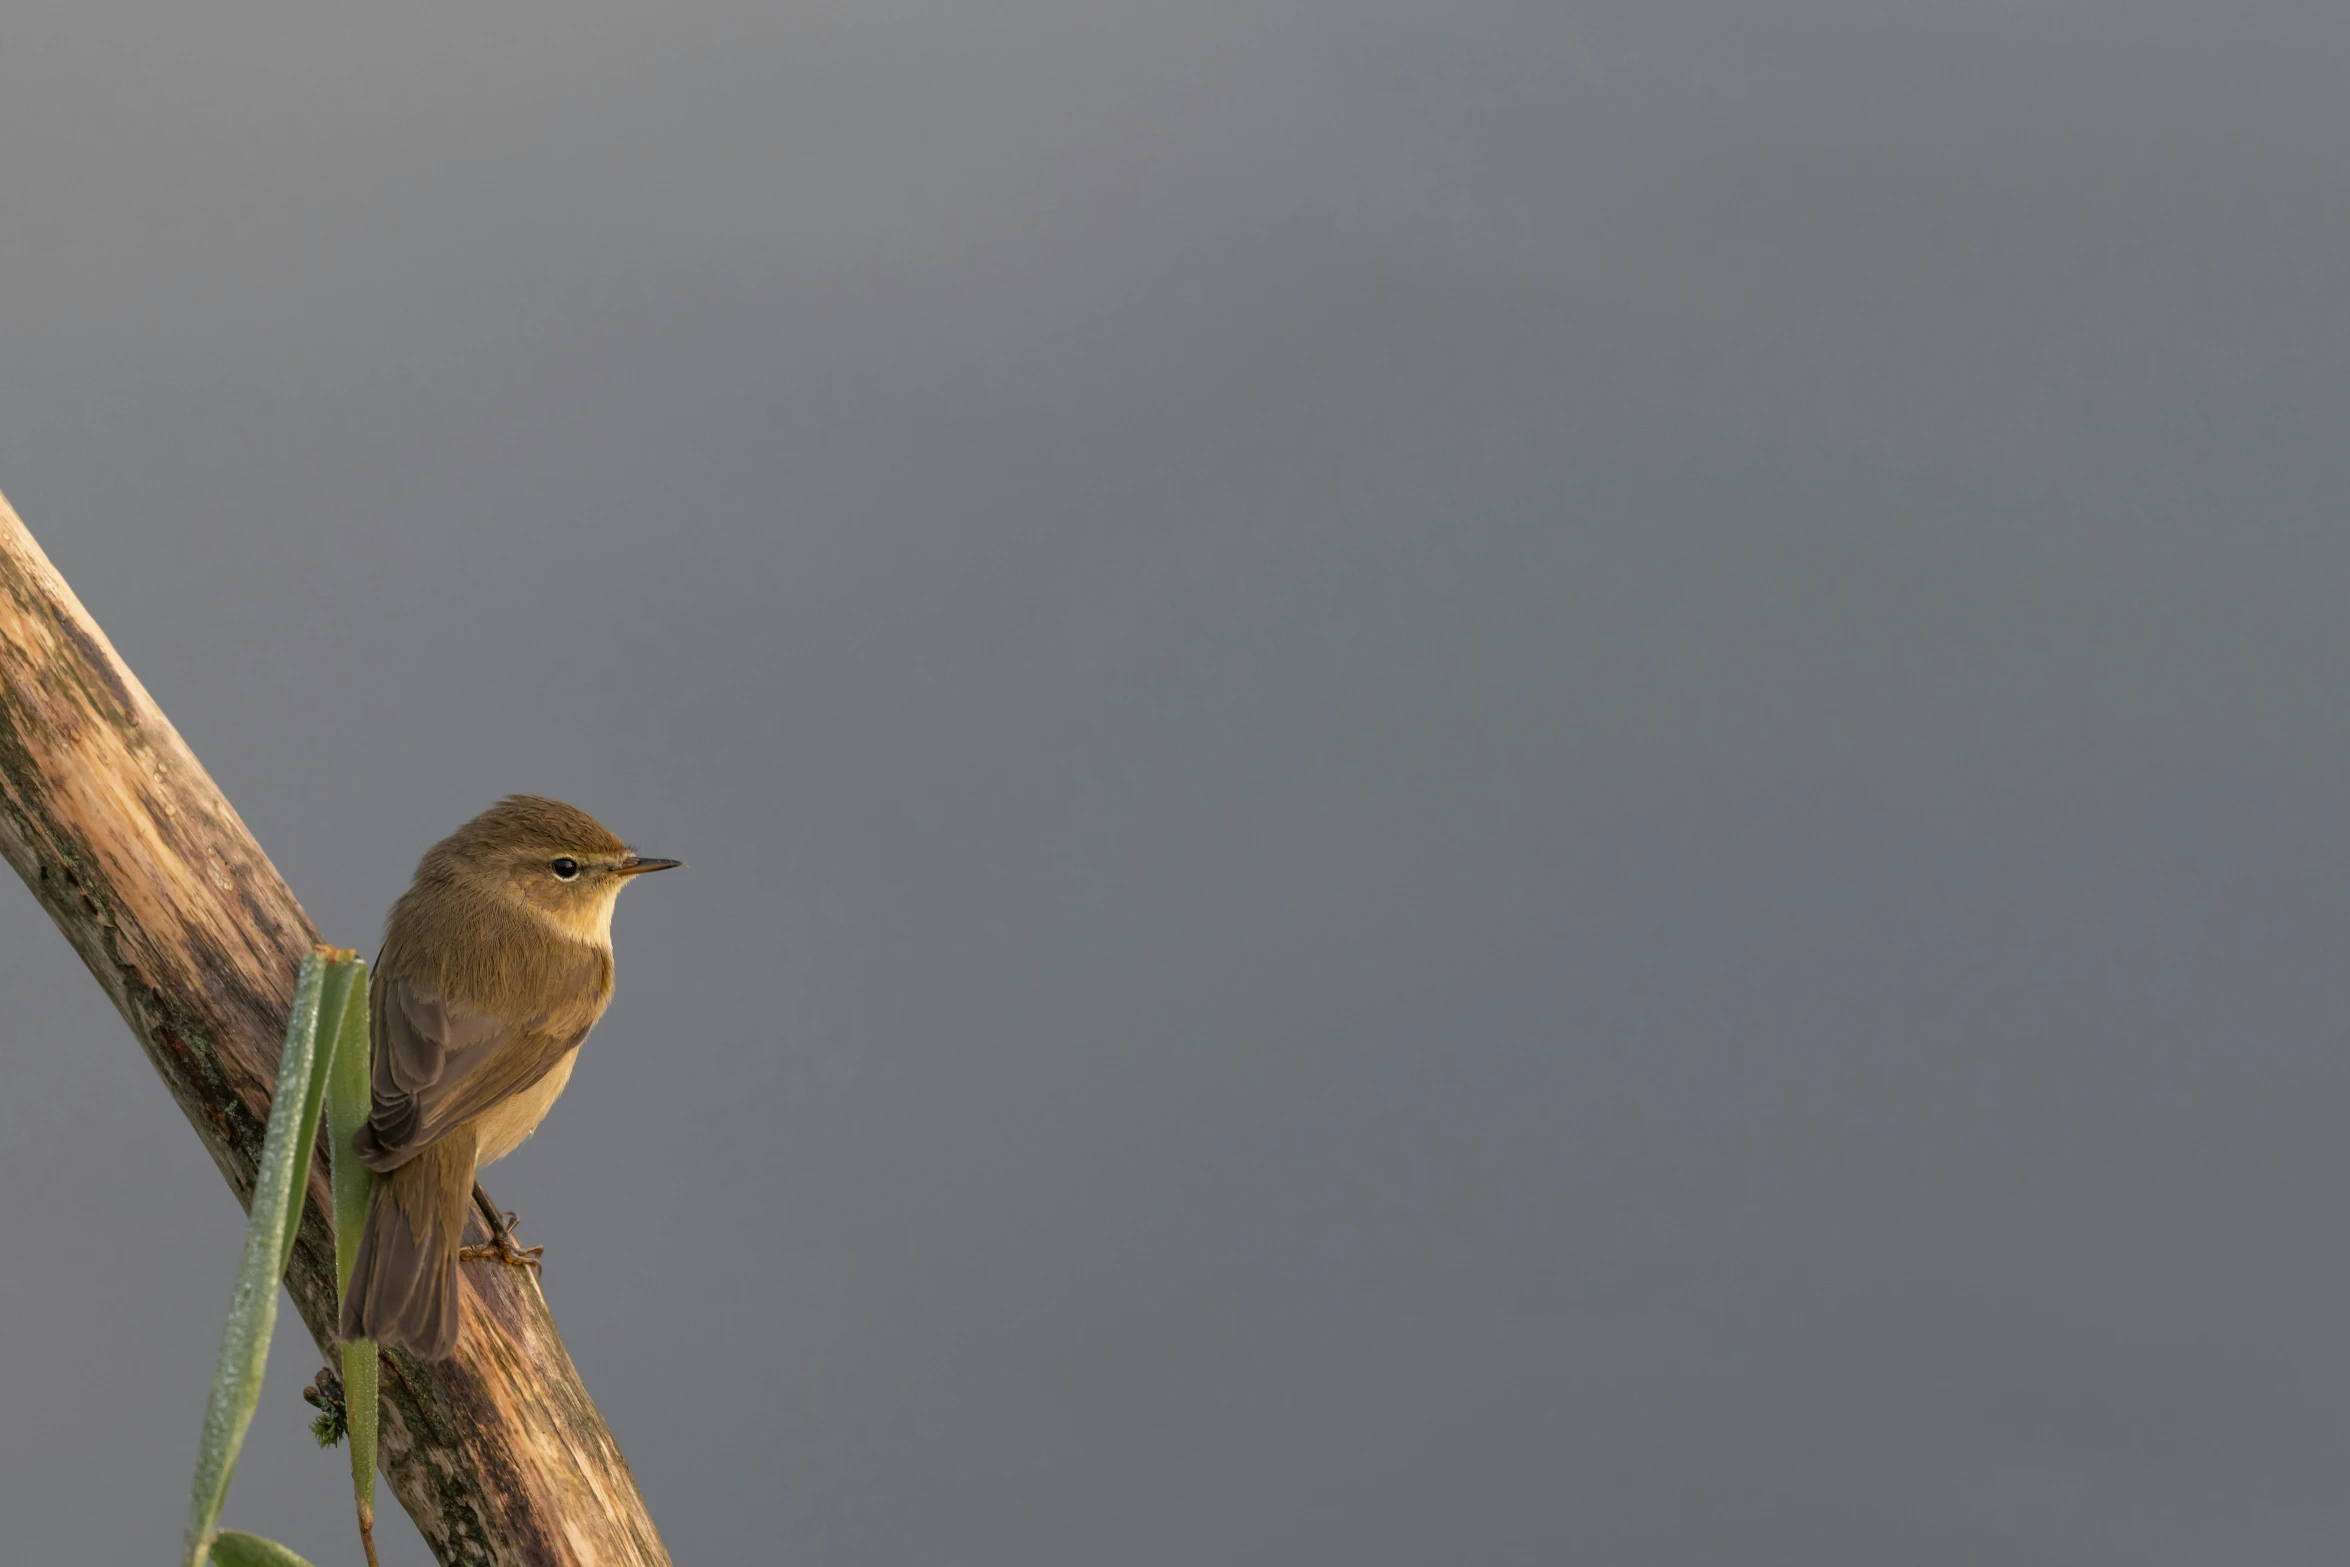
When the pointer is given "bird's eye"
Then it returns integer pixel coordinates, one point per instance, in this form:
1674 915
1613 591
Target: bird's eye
565 868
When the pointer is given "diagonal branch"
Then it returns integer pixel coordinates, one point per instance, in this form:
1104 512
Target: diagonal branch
499 1454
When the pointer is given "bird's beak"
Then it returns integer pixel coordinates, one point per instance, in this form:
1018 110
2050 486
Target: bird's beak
638 864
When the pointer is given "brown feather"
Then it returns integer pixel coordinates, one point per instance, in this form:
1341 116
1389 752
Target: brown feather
492 972
404 1285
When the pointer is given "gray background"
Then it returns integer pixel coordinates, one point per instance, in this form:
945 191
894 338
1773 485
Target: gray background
1467 783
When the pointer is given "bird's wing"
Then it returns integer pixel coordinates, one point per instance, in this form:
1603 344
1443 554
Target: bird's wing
438 1065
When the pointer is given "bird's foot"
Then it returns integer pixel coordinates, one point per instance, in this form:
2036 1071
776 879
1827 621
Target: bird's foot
502 1248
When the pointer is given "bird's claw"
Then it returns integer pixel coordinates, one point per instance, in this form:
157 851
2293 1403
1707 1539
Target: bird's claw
502 1248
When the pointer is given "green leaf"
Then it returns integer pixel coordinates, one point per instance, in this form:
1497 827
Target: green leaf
232 1549
347 1105
334 995
348 1100
244 1342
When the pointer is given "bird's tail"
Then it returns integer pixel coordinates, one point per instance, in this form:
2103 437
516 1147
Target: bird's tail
404 1285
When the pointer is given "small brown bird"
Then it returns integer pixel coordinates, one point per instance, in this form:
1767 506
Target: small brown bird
496 962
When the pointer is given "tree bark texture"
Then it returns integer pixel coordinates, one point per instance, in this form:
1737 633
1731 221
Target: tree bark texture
498 1454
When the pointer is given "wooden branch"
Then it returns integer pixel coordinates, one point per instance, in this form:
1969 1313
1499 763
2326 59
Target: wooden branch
498 1454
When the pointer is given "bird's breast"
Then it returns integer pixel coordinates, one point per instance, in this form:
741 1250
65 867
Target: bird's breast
501 1129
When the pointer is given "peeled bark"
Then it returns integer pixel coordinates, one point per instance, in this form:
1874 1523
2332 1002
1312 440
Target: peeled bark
498 1454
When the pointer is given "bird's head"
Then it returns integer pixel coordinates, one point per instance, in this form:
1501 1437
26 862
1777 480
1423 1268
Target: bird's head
555 860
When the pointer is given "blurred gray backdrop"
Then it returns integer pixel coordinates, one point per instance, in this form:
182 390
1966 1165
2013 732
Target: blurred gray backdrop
1467 782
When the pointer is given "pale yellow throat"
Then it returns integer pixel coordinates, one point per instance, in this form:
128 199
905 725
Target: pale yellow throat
591 923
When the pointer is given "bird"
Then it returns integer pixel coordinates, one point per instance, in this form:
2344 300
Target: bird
496 964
